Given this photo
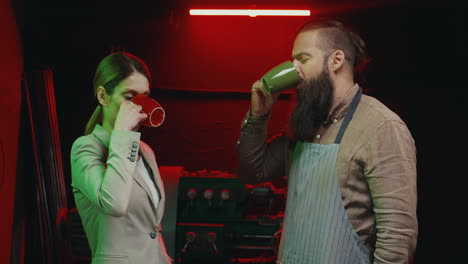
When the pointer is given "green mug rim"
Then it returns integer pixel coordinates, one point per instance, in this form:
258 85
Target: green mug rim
266 87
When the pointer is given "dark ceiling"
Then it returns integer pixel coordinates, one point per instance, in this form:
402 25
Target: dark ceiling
32 11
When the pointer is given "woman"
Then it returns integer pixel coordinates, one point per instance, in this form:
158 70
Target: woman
116 184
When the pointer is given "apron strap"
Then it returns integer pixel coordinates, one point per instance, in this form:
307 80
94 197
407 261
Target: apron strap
348 116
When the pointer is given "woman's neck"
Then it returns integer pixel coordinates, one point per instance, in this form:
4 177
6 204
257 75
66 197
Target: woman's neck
108 127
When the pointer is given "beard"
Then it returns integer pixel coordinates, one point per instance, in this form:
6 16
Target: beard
314 100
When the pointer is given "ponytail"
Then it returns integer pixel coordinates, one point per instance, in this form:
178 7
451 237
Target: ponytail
360 57
95 119
361 60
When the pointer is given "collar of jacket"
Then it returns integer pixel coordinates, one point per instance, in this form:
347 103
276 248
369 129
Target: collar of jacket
102 135
340 109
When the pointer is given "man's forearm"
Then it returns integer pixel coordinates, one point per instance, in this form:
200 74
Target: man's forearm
259 161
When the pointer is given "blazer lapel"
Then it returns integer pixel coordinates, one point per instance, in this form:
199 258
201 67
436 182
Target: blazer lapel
139 179
159 184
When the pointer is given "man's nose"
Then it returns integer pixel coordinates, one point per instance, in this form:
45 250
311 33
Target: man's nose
298 67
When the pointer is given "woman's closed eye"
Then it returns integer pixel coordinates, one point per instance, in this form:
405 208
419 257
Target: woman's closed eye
128 96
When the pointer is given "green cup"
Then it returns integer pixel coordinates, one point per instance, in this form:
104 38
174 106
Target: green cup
280 78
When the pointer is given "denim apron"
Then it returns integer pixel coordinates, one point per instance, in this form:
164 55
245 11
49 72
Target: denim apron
316 227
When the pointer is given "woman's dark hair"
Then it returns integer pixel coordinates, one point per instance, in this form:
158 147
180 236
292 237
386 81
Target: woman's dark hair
109 73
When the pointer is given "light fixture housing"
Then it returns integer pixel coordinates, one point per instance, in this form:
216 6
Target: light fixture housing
249 12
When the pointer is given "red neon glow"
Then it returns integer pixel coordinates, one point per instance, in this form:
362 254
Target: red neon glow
248 12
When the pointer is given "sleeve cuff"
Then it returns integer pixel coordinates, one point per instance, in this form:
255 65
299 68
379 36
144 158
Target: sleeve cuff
255 121
127 143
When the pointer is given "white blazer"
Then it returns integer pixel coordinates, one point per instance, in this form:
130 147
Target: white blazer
114 201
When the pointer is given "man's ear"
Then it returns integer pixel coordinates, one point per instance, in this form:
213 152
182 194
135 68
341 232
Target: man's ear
336 60
102 96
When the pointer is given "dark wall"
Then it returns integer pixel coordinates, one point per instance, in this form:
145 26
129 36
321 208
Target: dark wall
215 56
203 69
439 60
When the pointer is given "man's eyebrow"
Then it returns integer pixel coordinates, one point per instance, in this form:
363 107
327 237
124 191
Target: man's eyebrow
300 54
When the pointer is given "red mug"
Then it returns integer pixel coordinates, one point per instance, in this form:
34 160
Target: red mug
152 108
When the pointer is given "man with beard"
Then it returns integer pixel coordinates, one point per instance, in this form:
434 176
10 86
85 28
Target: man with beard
350 161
